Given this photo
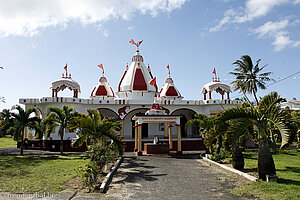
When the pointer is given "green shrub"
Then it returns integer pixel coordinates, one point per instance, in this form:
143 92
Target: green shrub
217 157
100 155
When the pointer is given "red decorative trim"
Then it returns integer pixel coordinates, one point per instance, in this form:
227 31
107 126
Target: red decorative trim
112 91
101 91
123 110
93 91
139 82
119 87
171 91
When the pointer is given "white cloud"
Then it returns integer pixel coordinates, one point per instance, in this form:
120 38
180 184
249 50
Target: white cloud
253 9
271 28
258 8
276 30
296 1
226 19
282 40
26 18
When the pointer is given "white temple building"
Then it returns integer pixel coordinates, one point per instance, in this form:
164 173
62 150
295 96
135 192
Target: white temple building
134 96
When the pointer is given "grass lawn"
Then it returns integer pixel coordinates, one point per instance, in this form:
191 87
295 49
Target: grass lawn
30 174
7 142
288 172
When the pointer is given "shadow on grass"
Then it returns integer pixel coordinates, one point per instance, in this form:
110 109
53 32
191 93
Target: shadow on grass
293 169
249 170
288 181
250 156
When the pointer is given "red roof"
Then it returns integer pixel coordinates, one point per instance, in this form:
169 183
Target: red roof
101 91
171 91
139 82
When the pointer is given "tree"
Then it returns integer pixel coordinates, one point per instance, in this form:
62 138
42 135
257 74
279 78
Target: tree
92 127
249 77
60 118
267 113
94 131
200 121
296 118
21 120
6 122
211 131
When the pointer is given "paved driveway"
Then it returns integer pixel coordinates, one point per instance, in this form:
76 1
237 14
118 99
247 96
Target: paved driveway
166 177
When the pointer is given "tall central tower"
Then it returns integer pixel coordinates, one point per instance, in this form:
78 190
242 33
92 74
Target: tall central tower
134 84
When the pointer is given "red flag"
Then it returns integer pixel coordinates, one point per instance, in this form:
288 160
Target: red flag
214 72
168 67
140 42
101 66
132 42
66 67
153 82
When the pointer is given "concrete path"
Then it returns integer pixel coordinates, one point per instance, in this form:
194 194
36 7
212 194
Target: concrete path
166 177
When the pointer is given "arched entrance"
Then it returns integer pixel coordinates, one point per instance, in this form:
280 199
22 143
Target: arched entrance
186 114
106 112
129 124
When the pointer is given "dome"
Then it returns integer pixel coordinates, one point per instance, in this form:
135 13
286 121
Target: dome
102 89
135 80
169 90
214 86
217 86
64 82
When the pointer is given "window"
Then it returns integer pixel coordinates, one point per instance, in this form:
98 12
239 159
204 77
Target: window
161 126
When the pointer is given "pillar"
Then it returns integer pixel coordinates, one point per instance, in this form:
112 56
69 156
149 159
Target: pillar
209 95
170 137
228 95
136 137
139 153
166 130
204 96
122 128
179 150
26 134
222 96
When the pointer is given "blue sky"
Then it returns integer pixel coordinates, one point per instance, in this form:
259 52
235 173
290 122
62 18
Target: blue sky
37 38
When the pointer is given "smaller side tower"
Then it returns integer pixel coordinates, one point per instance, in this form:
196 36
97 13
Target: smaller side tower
64 82
102 89
169 91
215 85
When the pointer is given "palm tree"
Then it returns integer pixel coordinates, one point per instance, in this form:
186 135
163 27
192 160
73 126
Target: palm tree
212 131
267 113
21 120
201 121
296 117
61 118
91 127
6 121
249 77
